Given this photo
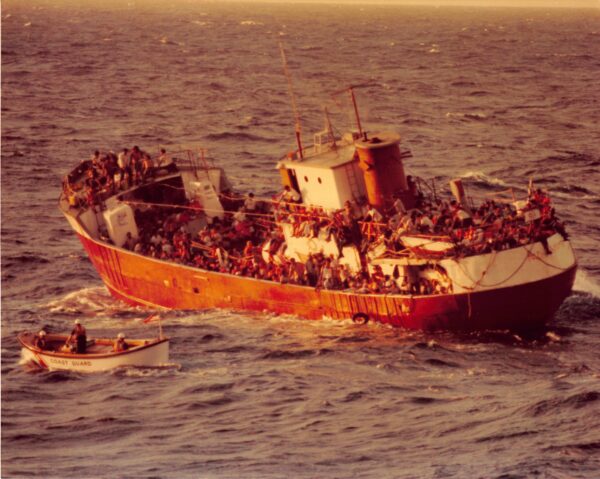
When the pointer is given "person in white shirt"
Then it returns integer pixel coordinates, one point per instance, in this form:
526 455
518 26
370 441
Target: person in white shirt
375 215
289 195
123 159
250 202
165 162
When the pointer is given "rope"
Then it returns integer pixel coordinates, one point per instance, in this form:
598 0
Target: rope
529 254
194 208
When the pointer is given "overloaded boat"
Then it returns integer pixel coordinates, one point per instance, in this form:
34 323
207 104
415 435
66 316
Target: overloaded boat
351 236
99 355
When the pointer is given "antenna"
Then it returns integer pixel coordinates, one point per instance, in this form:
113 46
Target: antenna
350 90
353 98
329 128
293 98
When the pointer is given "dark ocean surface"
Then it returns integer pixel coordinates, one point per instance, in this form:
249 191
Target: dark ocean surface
494 96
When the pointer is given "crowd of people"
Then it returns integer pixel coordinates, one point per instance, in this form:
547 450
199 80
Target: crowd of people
106 174
248 240
243 247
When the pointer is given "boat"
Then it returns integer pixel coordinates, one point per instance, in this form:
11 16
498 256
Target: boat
386 247
99 354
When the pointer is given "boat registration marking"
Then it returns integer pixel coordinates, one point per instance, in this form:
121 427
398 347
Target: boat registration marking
68 362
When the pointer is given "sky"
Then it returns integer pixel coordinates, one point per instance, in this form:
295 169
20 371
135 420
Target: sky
486 3
498 3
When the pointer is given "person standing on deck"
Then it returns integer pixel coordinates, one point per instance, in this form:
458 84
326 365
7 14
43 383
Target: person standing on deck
78 335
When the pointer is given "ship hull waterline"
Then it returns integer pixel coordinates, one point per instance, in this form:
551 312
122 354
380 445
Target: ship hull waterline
143 281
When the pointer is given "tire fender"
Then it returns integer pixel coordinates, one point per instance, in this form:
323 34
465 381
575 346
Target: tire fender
360 318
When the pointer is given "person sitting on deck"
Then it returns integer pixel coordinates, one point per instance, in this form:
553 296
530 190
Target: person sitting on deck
40 340
165 162
289 195
250 203
374 215
79 337
120 344
95 158
130 242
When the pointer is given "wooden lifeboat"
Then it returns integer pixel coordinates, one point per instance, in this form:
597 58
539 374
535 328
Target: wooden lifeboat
99 355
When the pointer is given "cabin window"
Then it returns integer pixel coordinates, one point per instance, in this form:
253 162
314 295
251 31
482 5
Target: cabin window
306 179
196 290
319 180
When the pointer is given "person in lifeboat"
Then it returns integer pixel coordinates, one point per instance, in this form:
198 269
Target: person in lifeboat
120 345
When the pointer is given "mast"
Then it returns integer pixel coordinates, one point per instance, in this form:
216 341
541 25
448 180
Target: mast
353 98
298 126
350 90
329 127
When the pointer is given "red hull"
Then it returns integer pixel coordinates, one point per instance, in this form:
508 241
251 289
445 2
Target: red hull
139 280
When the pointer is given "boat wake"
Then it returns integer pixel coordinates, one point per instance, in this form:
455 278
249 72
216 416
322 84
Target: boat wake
585 284
146 371
94 301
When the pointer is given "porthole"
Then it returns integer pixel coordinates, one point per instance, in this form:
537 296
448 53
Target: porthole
306 179
319 180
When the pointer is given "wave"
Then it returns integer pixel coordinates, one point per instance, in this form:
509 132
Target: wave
441 363
584 283
423 400
94 301
463 83
468 116
228 135
415 121
166 41
146 371
574 189
567 156
303 353
551 406
26 258
481 177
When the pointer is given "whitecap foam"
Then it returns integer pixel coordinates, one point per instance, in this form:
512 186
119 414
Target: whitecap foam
147 371
483 178
584 283
473 116
93 301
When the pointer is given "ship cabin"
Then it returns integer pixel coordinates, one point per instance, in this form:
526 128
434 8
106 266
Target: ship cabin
359 169
353 168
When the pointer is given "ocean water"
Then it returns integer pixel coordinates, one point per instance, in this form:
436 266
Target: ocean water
494 96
